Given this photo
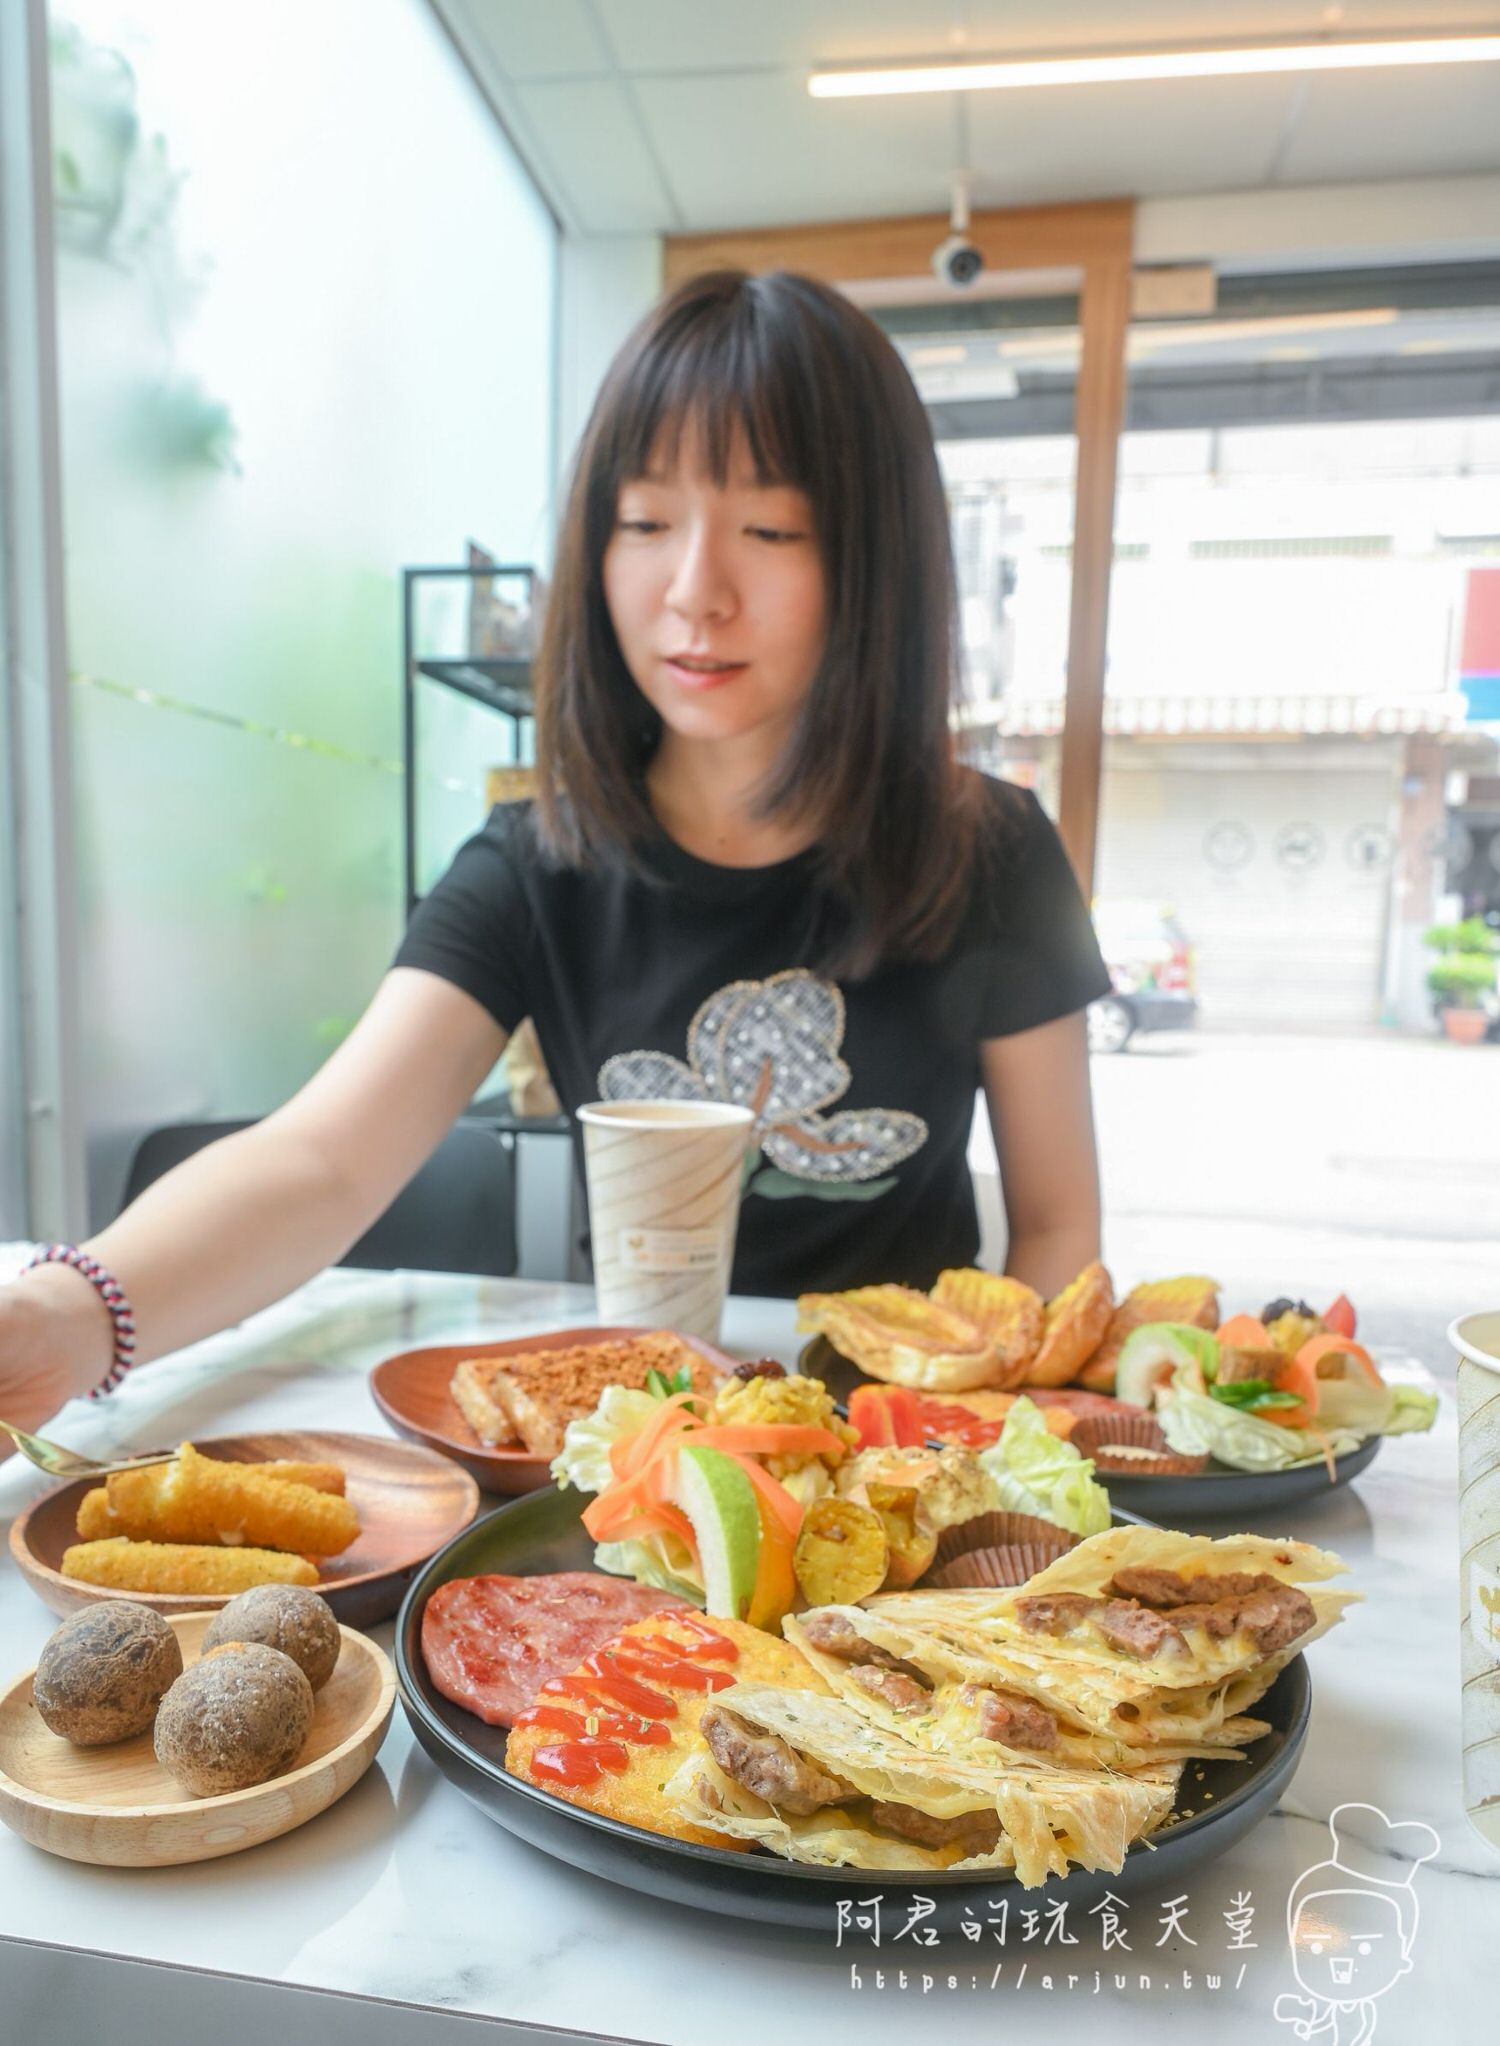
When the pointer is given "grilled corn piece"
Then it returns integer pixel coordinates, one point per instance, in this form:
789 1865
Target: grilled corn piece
194 1499
181 1567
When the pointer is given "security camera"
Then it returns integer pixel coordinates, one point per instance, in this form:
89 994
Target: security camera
956 261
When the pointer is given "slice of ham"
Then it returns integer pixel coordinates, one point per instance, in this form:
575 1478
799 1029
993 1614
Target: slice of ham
490 1643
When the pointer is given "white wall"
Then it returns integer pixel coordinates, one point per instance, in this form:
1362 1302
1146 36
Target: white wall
1408 220
605 284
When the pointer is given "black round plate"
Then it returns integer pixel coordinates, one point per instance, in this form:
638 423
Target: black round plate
542 1532
1212 1493
1219 1490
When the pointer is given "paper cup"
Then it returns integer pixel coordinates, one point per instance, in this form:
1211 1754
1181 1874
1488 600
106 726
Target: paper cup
1001 1569
1132 1446
664 1202
1476 1338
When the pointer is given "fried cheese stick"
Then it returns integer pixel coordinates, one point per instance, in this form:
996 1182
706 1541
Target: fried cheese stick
124 1565
194 1499
96 1522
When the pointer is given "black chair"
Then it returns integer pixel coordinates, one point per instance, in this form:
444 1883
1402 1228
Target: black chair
457 1215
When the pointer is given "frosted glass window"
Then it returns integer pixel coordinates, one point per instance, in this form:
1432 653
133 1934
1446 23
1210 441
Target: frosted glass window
305 326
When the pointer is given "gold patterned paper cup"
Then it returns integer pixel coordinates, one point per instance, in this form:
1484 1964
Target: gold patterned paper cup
664 1205
1476 1338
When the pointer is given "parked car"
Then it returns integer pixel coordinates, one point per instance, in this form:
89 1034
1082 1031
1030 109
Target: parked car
1150 963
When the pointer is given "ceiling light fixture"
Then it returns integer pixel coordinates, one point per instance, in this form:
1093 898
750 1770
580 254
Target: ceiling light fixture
1134 66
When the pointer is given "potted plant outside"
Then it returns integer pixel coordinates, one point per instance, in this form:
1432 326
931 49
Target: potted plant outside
1462 980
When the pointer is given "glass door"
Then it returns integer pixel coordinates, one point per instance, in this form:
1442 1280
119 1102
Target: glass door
998 375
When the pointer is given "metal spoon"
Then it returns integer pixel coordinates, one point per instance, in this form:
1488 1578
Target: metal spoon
67 1463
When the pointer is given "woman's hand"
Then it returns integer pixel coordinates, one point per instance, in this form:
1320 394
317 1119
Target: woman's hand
1037 1086
56 1341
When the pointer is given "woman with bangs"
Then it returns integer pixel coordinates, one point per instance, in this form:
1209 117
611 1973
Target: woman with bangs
755 870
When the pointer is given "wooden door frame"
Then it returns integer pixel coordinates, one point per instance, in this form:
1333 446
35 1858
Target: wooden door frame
1097 240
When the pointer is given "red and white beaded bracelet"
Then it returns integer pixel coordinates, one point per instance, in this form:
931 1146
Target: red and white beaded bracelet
112 1293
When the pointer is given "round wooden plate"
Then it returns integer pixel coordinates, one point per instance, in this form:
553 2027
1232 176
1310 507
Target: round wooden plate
409 1501
118 1806
411 1390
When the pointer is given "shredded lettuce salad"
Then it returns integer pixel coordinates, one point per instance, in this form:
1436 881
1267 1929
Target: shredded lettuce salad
1034 1471
1199 1418
1197 1425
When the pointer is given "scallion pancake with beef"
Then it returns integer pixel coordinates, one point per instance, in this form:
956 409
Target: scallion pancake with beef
1180 1611
949 1700
811 1779
1138 1646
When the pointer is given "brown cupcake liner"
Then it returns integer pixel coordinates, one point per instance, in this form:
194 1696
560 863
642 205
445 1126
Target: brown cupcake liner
999 1531
996 1569
1097 1435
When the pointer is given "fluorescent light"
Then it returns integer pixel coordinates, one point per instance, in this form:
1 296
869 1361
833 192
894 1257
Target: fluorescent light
1130 66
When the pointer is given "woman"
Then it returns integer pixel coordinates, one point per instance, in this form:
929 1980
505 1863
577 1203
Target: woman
755 871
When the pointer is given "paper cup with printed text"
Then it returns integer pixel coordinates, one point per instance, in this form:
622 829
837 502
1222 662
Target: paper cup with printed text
664 1203
1476 1338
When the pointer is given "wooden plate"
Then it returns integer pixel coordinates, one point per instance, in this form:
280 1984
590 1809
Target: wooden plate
118 1806
411 1390
409 1503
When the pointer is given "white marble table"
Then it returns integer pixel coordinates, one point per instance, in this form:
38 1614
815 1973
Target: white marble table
405 1892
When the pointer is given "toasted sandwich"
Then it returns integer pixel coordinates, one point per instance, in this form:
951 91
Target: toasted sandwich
526 1398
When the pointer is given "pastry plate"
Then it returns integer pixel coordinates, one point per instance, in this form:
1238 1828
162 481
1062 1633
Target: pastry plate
119 1807
412 1390
410 1501
544 1533
1177 1501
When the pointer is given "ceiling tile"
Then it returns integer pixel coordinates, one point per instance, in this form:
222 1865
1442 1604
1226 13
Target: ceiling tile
526 40
750 151
1104 141
596 150
1392 124
687 35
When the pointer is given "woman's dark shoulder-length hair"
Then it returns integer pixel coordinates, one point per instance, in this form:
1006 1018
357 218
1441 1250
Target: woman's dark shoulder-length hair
826 405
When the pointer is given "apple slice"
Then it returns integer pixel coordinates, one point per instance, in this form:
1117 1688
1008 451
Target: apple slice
719 1500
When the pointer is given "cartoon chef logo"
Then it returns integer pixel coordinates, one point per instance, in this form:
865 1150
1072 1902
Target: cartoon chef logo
1352 1922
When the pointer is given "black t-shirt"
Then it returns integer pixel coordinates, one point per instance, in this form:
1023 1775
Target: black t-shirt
700 982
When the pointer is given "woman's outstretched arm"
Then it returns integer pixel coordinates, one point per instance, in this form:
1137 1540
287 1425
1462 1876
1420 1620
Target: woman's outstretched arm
246 1220
1036 1084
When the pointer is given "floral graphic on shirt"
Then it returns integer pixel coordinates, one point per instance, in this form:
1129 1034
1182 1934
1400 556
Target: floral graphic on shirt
772 1046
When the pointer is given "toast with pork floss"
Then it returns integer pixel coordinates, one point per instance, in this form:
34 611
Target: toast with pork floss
530 1396
599 1709
804 1775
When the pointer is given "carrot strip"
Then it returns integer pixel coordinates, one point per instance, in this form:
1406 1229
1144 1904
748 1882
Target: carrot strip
638 1449
1316 1348
769 1438
610 1509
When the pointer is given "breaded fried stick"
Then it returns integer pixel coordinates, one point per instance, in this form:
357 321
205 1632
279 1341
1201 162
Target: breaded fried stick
194 1499
181 1567
96 1522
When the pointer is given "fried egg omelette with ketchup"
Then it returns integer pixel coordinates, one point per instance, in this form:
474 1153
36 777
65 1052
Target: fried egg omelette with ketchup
596 1705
